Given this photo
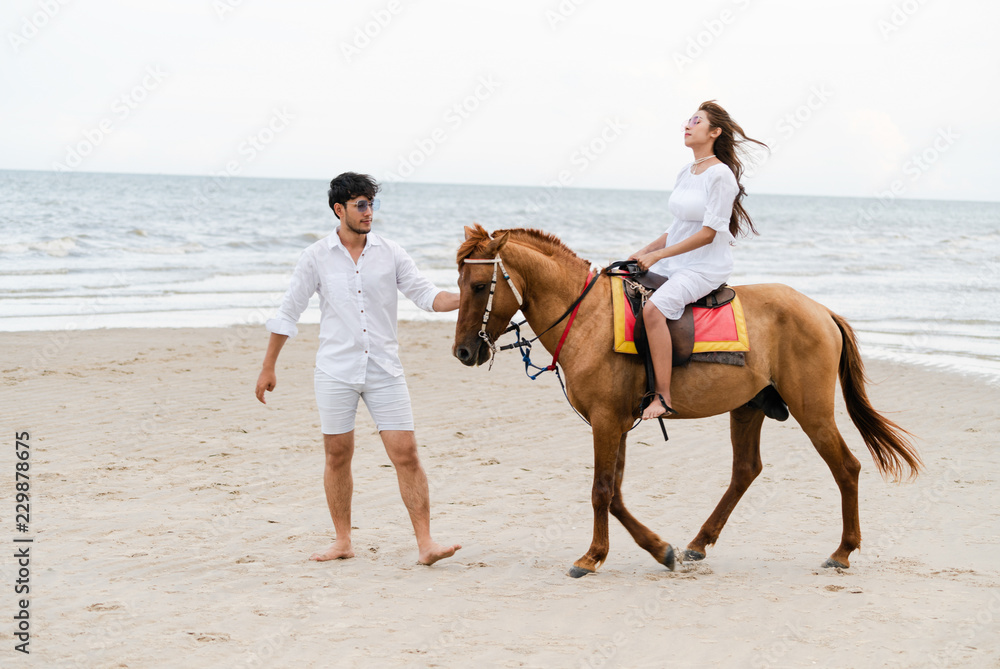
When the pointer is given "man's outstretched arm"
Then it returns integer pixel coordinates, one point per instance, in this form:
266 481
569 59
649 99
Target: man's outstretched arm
267 379
445 301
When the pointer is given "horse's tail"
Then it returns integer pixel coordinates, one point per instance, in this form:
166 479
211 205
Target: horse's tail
886 441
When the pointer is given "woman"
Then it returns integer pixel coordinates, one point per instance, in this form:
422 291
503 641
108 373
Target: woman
694 252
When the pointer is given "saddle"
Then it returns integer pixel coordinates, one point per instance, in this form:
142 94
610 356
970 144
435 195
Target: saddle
639 285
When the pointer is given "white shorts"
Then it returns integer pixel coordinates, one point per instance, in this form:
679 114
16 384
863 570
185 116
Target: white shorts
385 395
681 289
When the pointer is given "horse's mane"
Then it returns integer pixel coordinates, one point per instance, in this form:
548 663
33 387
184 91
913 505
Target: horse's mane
543 242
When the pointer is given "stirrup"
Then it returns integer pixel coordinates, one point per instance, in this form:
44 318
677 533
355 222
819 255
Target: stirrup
647 399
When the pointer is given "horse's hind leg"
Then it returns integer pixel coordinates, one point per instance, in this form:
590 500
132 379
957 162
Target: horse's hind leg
807 380
827 440
744 429
646 538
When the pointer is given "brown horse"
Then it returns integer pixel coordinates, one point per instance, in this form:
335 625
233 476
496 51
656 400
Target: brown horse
798 346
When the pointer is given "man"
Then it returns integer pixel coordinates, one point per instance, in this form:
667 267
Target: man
357 273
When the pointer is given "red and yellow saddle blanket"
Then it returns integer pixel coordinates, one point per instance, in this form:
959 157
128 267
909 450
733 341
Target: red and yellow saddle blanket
720 329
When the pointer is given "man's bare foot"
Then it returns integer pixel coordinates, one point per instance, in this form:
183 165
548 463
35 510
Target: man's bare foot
334 552
658 408
434 552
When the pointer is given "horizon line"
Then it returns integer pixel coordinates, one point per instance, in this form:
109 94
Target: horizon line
489 185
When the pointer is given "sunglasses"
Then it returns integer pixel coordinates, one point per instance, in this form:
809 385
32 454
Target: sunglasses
362 205
693 121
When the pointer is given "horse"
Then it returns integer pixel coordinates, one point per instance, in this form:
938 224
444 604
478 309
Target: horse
798 346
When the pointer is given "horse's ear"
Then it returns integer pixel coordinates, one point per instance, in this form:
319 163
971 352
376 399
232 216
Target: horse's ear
469 232
493 248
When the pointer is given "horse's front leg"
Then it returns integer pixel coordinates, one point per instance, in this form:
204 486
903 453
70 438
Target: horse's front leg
645 537
607 437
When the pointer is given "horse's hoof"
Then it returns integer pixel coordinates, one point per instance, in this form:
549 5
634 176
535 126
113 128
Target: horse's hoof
830 562
694 556
577 572
670 560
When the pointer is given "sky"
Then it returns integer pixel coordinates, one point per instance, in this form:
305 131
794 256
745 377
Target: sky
860 98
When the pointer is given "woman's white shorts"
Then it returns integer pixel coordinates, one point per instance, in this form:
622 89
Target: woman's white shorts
385 395
681 289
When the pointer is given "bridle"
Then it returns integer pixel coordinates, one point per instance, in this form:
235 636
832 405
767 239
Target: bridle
497 263
522 344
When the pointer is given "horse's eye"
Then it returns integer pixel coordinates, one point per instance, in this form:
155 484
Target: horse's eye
479 287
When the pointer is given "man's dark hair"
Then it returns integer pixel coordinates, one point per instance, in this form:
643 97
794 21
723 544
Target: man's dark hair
350 185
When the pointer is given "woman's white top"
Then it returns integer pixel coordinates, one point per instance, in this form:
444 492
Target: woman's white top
700 200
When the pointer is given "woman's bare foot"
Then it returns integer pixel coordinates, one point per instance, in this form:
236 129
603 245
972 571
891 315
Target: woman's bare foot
658 408
434 552
337 551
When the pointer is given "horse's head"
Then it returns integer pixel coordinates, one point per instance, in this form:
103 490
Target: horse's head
476 280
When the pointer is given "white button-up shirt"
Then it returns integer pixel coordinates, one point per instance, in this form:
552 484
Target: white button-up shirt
357 303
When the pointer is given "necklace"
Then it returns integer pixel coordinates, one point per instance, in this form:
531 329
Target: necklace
700 160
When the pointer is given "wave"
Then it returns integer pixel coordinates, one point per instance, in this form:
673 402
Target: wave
192 247
56 248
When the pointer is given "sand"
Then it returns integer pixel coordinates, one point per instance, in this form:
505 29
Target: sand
173 515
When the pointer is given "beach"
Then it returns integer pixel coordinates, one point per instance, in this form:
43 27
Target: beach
173 515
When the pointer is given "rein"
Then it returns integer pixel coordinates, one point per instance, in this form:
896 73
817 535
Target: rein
520 343
524 345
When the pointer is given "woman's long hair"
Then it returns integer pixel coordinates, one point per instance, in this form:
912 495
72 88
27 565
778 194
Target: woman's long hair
728 147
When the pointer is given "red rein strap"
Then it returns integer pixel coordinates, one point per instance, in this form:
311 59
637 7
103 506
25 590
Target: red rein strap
572 316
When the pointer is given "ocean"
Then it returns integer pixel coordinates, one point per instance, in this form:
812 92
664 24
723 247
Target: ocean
919 280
